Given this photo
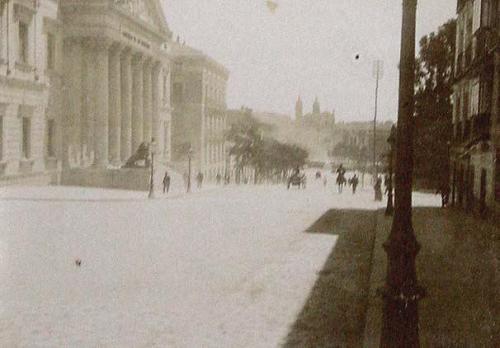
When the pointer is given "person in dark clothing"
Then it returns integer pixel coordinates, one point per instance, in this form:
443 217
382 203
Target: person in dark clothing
199 179
218 178
166 182
444 191
378 189
354 181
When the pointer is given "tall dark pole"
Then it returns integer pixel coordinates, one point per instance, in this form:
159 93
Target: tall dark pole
190 154
401 291
377 72
389 210
151 194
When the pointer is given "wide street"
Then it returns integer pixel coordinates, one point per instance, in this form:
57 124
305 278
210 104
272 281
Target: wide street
226 267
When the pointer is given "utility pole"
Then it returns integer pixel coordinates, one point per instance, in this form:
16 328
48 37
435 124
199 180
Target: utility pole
401 292
377 72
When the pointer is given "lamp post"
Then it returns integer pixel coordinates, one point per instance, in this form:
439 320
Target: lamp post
190 155
377 73
389 210
152 169
401 292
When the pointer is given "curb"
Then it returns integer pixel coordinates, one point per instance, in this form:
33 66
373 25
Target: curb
374 311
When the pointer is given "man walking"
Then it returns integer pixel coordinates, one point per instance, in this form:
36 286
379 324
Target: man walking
166 182
199 179
354 182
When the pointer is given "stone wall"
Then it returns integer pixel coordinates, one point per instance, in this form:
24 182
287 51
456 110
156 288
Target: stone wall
125 179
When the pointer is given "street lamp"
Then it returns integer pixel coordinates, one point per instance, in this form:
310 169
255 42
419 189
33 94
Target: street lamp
401 292
152 169
392 142
190 155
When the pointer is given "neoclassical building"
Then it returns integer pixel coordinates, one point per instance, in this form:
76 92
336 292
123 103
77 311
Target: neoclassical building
199 111
82 85
117 80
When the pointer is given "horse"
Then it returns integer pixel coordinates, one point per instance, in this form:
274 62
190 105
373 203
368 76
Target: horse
341 181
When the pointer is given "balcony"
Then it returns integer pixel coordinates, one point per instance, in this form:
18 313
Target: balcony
486 40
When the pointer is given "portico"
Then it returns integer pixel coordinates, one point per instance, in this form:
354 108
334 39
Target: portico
117 72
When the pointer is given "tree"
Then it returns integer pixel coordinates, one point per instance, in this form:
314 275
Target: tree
270 158
433 107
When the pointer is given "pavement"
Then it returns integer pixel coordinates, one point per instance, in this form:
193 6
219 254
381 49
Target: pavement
234 266
458 265
225 267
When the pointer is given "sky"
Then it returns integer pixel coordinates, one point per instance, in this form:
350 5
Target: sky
306 48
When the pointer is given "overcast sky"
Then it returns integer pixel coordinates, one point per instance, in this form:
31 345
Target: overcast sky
306 47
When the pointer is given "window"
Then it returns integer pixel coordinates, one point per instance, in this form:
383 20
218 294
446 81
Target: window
165 87
51 51
51 133
475 98
177 96
26 141
23 43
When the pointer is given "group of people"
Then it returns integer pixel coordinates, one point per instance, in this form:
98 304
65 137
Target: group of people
199 180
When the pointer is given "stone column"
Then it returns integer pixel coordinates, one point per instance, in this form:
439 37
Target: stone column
147 101
71 122
101 99
137 102
114 123
126 105
87 129
155 94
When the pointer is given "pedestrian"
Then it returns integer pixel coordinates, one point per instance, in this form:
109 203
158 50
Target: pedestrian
378 189
218 178
325 180
185 177
354 182
166 182
199 179
444 190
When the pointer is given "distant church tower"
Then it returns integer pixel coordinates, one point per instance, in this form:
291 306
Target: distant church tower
298 110
316 109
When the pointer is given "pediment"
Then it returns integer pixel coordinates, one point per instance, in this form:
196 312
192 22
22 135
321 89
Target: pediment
148 11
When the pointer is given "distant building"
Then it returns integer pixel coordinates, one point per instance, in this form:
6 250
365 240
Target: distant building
475 150
315 119
199 111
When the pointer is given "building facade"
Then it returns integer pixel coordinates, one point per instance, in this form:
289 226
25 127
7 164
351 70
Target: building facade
475 150
117 81
82 85
199 112
30 68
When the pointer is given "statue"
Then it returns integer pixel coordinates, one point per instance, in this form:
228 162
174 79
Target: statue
142 154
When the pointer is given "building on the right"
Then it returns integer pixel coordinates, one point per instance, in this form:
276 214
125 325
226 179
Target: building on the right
475 149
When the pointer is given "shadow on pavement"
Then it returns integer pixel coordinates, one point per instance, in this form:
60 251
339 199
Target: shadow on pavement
334 313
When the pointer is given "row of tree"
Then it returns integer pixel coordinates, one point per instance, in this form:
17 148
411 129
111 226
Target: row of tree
433 105
271 159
